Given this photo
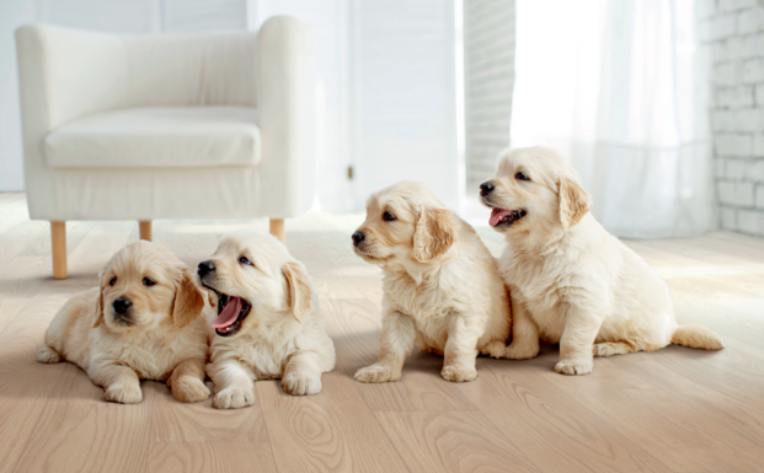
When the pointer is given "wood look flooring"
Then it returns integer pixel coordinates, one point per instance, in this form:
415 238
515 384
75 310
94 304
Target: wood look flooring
677 410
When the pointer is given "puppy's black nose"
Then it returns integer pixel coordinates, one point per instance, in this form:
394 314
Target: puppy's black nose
121 305
358 237
205 268
486 188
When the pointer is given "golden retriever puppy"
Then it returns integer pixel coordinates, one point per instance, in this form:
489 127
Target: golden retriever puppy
266 327
572 282
143 322
442 288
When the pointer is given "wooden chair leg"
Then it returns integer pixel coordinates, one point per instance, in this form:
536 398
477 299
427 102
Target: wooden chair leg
58 248
277 228
144 227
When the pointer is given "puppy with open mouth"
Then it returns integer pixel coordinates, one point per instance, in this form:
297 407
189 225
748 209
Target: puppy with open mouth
442 287
144 321
266 326
572 282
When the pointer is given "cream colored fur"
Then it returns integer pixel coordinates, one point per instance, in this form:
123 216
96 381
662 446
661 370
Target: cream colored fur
283 336
572 282
442 288
166 339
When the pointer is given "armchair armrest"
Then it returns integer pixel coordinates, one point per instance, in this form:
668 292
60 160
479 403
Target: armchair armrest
63 74
285 96
67 73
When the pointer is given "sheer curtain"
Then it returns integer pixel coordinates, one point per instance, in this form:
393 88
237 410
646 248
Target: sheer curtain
619 86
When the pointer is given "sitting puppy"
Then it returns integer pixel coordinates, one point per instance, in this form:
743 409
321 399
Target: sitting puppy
572 282
143 322
442 288
266 327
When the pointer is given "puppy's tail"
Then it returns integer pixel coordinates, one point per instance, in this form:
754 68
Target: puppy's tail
696 336
46 354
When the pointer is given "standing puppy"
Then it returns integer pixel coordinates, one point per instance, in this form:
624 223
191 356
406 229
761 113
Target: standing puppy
572 282
442 288
266 327
143 322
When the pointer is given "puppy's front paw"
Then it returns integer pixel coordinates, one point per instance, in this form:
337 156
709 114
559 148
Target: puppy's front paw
233 398
190 389
377 373
520 352
301 384
458 374
495 349
124 393
576 366
46 354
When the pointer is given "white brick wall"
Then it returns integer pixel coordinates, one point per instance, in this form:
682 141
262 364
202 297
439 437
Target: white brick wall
760 196
733 33
489 57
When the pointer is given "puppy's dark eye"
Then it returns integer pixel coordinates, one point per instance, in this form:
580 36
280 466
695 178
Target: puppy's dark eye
113 281
244 260
521 176
389 217
148 282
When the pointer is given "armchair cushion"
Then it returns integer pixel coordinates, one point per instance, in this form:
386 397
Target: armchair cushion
157 137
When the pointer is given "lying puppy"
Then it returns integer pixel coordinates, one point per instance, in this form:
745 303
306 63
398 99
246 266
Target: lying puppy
571 281
442 288
266 327
143 322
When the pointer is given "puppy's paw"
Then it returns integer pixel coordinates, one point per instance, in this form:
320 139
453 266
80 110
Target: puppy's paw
377 373
495 349
124 393
611 349
576 366
233 398
46 354
190 389
520 352
301 384
458 374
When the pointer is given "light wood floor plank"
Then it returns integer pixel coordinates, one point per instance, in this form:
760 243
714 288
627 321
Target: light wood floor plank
552 425
211 456
322 433
455 441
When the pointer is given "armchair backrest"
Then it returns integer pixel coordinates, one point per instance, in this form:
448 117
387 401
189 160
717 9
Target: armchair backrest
69 73
65 74
193 70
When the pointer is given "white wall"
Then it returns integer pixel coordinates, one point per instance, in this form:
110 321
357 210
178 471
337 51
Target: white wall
733 31
121 16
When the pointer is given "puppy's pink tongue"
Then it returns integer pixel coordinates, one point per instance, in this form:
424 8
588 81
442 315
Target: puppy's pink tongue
497 215
229 313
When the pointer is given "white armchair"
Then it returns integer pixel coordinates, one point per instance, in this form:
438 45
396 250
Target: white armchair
166 126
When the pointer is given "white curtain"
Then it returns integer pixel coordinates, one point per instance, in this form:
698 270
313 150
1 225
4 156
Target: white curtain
619 86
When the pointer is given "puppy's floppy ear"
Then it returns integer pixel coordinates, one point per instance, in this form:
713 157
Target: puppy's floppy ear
99 302
433 235
573 202
299 294
189 300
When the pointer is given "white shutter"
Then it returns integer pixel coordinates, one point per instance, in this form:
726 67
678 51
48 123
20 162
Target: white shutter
403 97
